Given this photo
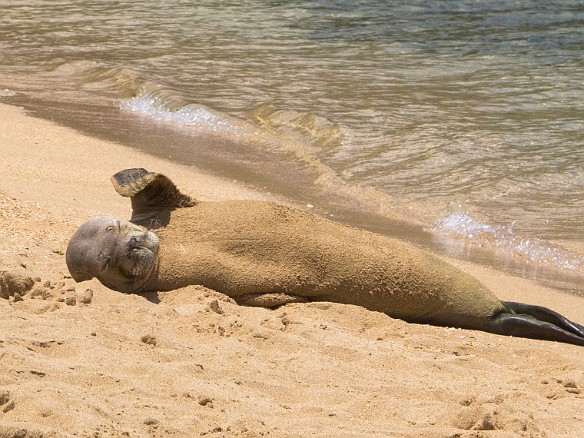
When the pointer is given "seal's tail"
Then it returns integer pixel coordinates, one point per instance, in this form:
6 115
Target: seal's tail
535 322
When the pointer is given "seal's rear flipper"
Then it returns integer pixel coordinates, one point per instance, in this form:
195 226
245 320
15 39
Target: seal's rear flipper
535 322
546 315
151 193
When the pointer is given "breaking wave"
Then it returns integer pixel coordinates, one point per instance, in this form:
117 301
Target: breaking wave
201 118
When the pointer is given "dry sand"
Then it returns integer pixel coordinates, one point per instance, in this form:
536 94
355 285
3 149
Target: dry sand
82 360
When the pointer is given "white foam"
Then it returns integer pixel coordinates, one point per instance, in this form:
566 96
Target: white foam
198 117
462 225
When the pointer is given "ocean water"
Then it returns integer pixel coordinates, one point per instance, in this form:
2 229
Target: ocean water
456 124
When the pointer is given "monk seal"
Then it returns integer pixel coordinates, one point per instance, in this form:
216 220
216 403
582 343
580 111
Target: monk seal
266 254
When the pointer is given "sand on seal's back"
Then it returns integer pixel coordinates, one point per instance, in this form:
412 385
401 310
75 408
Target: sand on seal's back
255 247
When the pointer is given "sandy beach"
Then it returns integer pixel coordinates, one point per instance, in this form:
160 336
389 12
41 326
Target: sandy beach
83 360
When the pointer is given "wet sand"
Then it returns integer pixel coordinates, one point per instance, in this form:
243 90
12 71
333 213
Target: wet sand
82 360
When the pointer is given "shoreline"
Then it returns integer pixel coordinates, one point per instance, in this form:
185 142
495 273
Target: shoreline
84 173
255 168
115 350
259 167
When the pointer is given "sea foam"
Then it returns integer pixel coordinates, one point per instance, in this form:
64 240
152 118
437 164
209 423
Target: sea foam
462 225
198 117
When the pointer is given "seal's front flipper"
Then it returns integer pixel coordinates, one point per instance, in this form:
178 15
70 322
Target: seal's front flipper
151 193
268 300
535 322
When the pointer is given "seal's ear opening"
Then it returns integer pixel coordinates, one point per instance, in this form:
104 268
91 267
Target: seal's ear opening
151 193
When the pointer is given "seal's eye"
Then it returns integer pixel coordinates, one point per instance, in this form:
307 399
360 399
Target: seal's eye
105 262
114 227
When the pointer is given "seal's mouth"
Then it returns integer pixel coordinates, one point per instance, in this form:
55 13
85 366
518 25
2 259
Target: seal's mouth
141 253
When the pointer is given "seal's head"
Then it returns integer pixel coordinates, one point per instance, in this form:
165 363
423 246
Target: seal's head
120 254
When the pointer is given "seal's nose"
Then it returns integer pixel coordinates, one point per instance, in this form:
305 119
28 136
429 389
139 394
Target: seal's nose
140 241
